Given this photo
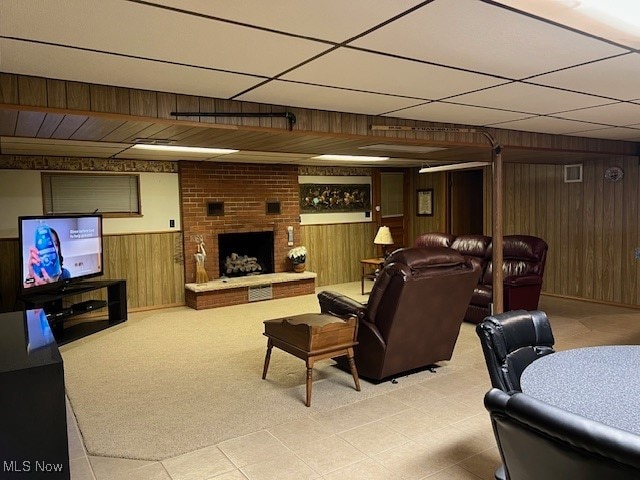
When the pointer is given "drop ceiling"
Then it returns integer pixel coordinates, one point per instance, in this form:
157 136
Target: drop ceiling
517 64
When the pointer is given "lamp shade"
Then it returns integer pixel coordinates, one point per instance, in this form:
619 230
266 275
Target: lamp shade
383 237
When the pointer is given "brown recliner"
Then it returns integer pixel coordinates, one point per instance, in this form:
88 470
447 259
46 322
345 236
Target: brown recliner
414 313
524 258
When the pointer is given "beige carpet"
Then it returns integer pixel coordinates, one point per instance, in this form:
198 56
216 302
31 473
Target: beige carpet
172 381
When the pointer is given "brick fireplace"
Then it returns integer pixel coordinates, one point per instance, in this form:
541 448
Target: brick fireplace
241 194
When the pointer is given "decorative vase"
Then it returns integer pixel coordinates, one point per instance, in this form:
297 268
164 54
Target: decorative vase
201 273
299 267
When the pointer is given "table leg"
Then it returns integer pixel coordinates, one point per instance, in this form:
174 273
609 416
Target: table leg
267 358
352 367
309 383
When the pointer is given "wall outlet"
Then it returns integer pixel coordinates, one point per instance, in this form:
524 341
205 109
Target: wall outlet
172 223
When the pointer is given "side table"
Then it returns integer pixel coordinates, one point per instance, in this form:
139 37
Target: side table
312 337
367 264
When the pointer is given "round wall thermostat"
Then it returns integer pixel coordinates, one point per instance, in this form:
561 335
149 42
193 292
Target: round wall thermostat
613 174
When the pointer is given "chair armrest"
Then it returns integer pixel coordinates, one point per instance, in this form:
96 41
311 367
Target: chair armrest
340 305
522 280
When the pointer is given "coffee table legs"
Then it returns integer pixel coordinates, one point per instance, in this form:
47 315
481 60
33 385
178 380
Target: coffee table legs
309 382
267 358
352 367
309 363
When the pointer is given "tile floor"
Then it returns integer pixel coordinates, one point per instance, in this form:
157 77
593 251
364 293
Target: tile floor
435 430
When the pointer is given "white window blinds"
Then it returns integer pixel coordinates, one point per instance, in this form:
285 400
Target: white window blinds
79 193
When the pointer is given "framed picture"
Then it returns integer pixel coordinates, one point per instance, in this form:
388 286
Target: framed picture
425 202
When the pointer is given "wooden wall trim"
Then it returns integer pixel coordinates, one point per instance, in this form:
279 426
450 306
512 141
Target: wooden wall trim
41 93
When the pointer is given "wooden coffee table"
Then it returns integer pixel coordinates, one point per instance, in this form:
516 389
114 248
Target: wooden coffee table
313 337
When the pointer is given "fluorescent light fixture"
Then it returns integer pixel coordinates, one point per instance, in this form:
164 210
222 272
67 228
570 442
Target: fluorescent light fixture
352 158
173 148
453 166
402 148
154 141
621 14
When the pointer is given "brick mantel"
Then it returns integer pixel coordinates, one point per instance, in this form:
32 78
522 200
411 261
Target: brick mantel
244 189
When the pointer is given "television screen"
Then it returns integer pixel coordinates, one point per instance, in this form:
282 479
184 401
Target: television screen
57 250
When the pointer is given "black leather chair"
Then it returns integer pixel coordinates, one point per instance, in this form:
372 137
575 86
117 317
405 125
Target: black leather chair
539 441
511 341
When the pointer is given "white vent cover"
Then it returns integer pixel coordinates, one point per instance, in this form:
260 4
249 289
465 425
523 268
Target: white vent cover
573 173
260 292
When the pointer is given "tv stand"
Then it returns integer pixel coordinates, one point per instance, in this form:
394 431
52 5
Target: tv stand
52 303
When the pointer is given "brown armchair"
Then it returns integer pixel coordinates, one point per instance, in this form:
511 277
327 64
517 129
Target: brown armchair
414 313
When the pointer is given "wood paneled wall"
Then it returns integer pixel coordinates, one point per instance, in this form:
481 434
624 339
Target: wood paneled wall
592 227
43 92
438 222
335 251
151 263
9 274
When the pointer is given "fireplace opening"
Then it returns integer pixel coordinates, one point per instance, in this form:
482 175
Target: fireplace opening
247 253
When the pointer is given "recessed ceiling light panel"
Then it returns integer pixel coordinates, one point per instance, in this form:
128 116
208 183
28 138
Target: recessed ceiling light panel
402 148
175 148
351 158
454 166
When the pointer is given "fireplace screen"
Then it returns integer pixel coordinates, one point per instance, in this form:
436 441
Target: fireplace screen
248 253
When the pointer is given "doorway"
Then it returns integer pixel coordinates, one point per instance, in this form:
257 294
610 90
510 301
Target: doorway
393 200
466 202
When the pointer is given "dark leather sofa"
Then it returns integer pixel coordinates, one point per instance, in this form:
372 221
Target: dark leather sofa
415 309
524 258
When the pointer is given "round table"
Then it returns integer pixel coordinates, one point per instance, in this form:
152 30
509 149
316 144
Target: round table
600 383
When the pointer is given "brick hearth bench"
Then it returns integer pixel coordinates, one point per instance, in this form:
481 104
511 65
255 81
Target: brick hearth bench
238 290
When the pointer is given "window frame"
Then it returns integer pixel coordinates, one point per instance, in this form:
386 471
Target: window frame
47 193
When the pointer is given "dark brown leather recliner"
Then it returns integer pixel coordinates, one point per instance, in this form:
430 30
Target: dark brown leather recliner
524 258
414 313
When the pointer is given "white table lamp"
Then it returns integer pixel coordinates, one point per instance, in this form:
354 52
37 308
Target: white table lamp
384 238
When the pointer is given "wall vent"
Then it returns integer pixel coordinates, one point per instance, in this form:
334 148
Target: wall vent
260 292
273 207
215 208
573 173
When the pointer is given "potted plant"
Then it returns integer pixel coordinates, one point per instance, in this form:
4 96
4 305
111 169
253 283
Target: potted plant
298 256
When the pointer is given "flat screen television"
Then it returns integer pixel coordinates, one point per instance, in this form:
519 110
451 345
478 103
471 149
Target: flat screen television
56 250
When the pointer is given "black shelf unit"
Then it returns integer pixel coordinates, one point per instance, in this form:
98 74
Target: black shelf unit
33 414
52 303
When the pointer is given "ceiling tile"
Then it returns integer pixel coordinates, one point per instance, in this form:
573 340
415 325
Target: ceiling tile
615 78
66 64
309 96
134 29
384 74
569 13
544 125
527 98
461 114
485 38
618 114
334 20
